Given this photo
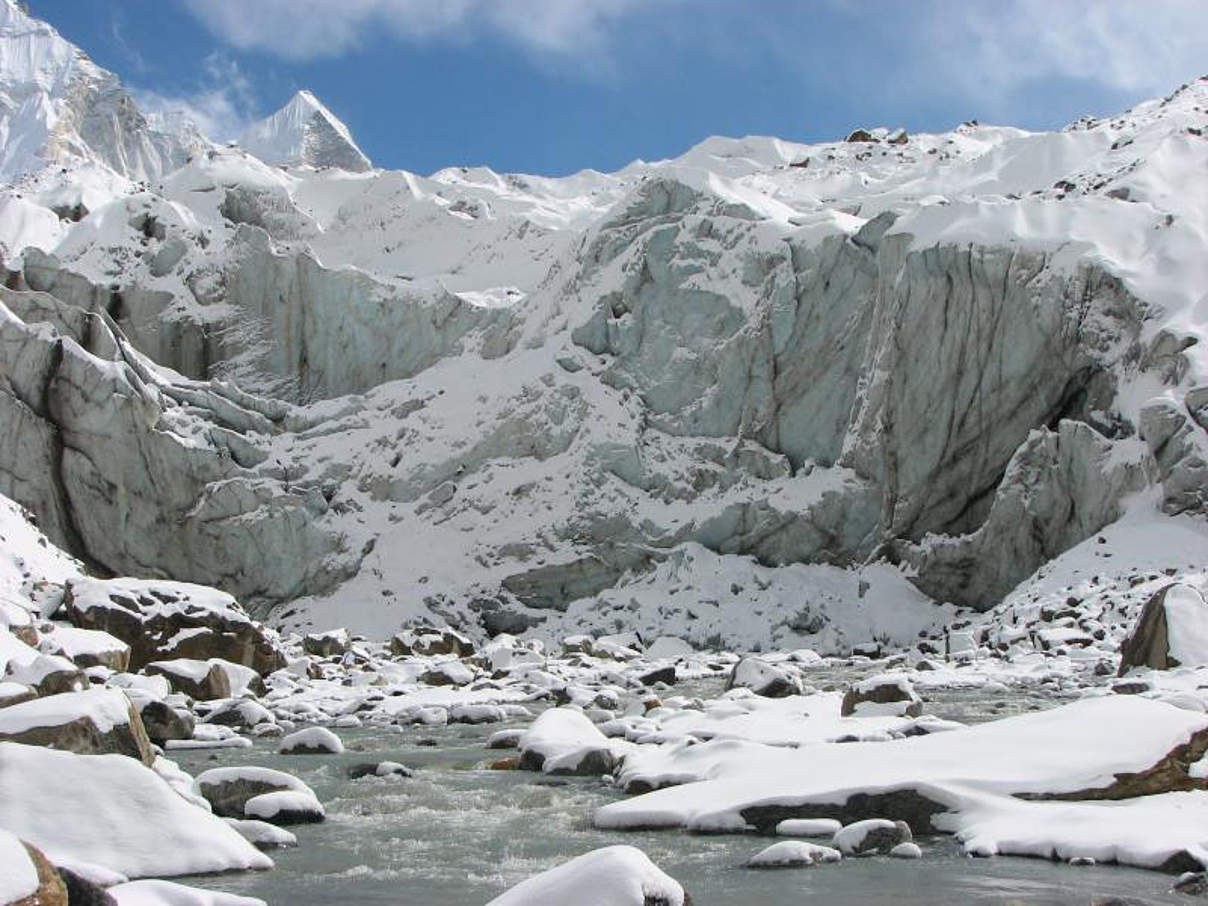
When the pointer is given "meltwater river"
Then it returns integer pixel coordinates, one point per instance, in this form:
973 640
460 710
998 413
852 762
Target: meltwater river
458 834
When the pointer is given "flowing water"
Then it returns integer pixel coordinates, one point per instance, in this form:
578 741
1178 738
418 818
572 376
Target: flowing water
458 834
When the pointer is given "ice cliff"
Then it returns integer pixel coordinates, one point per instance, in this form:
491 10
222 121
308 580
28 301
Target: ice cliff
797 394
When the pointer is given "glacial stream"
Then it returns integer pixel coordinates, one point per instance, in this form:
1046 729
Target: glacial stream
459 834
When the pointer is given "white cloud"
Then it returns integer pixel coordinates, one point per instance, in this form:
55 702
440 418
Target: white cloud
222 106
308 29
1129 47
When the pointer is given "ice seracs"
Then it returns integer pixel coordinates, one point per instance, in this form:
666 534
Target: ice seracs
305 133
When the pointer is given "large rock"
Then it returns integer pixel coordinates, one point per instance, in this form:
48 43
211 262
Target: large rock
616 875
26 867
163 722
93 722
429 641
1171 631
887 694
161 620
327 644
201 680
763 678
87 648
228 790
130 820
565 741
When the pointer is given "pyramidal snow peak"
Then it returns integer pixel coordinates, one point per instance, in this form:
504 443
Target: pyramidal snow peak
305 133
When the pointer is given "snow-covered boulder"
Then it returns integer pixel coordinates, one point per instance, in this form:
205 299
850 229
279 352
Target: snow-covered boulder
793 853
240 712
86 647
377 769
889 693
262 834
1171 631
448 673
201 680
763 678
240 678
873 835
332 643
49 674
431 641
1108 747
229 789
164 722
154 892
614 875
28 878
565 741
15 693
311 741
285 807
96 721
112 811
809 827
166 620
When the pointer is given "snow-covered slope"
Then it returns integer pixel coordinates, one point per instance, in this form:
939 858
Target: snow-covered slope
305 133
764 392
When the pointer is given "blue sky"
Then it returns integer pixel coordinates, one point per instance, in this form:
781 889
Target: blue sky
552 86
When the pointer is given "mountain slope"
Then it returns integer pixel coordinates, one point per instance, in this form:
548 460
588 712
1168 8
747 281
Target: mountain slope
58 107
789 394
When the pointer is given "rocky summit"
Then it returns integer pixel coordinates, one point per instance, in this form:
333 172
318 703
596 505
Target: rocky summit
661 474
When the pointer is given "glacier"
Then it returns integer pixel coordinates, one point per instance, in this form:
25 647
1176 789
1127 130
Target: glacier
764 393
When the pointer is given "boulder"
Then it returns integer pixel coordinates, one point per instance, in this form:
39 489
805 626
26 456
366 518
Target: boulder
83 892
327 644
660 675
428 641
377 769
163 620
763 678
228 790
200 680
564 741
94 722
15 693
26 867
49 674
243 713
240 678
163 722
1171 631
311 741
114 812
887 694
285 807
261 834
87 648
450 673
616 875
793 854
875 835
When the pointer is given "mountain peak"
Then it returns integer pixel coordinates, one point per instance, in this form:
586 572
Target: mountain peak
305 132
